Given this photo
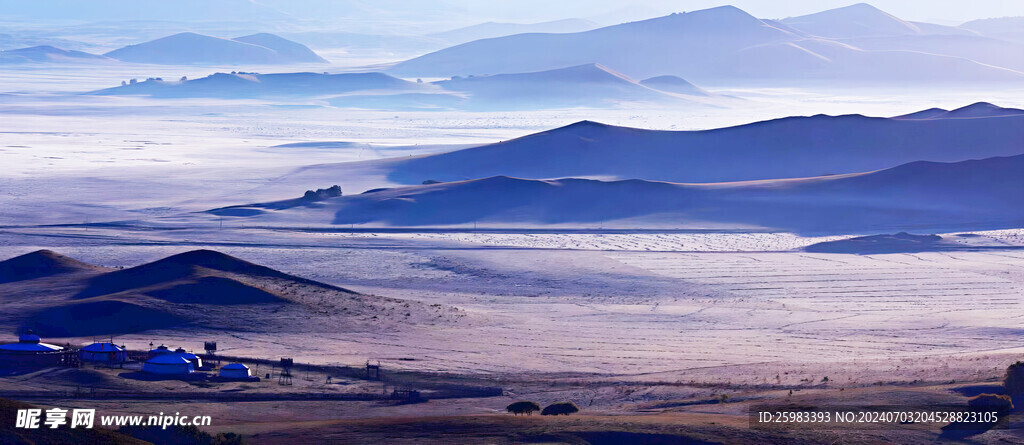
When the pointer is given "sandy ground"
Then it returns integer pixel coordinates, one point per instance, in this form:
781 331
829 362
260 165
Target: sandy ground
737 317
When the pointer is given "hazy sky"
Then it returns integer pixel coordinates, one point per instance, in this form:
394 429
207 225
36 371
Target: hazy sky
412 16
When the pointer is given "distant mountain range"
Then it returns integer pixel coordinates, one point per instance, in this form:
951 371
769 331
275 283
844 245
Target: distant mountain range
791 147
185 48
727 45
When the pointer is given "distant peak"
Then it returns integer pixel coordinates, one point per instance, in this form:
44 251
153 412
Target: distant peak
201 255
977 105
862 6
187 34
586 124
720 12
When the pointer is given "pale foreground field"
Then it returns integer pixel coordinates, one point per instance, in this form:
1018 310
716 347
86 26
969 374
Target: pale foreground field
740 317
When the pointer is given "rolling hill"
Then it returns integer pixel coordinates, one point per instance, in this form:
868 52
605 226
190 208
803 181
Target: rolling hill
189 48
973 111
590 85
46 53
1006 28
41 263
712 46
968 195
60 297
286 48
791 147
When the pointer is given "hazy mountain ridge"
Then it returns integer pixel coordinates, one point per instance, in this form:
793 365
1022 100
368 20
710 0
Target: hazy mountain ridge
791 147
967 195
727 44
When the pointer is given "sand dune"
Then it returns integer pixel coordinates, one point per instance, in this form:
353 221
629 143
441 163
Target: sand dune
193 290
969 195
877 244
784 148
189 48
41 263
204 275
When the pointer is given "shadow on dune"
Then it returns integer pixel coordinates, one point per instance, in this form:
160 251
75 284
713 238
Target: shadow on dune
99 318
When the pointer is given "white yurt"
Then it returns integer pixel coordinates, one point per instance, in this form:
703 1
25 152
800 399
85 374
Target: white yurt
30 352
235 371
168 364
196 361
103 353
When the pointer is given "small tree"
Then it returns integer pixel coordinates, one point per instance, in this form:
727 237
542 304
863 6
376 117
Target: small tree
524 407
560 408
1014 381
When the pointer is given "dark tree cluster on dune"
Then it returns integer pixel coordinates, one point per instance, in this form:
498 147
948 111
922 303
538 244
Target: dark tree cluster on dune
560 409
523 407
315 195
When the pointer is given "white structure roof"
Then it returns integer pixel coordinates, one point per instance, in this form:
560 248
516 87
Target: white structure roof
102 347
168 359
29 343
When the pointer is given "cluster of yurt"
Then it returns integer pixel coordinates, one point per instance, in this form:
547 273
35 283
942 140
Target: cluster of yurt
103 352
30 352
162 360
